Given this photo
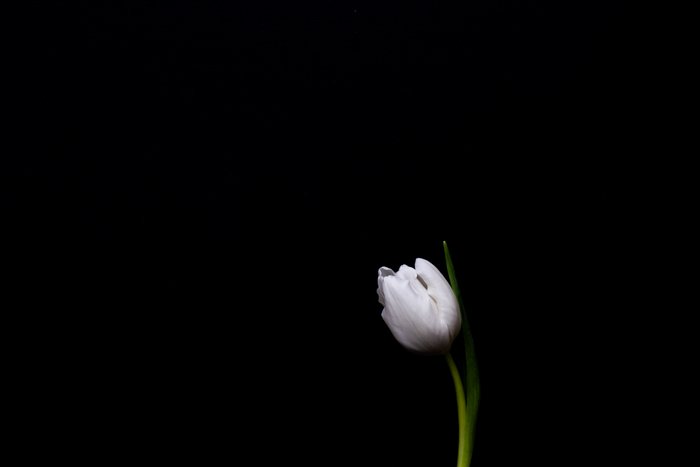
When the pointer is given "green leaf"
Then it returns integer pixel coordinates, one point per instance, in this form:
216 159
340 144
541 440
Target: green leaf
472 389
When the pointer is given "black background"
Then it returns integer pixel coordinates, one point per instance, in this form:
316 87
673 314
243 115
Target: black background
207 190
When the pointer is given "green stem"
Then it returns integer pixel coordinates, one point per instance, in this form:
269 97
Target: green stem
471 380
464 448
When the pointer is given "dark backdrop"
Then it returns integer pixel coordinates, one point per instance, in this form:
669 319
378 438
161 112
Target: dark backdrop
207 190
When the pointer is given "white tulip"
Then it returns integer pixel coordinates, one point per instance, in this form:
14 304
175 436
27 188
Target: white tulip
420 307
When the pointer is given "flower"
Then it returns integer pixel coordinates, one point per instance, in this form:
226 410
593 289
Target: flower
420 307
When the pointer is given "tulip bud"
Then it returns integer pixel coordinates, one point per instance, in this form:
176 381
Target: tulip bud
420 307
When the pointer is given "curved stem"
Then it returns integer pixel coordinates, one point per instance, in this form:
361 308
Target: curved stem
464 448
471 378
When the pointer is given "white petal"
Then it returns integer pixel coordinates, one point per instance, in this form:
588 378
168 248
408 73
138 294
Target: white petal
413 317
441 291
432 275
382 273
407 272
